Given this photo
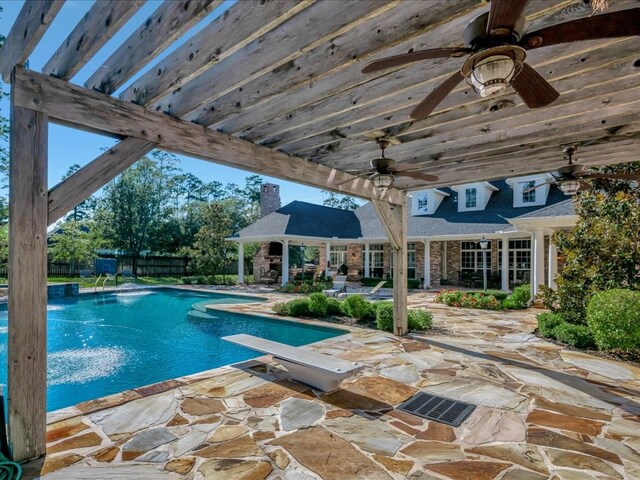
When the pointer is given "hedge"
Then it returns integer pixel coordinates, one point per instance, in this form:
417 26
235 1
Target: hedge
613 316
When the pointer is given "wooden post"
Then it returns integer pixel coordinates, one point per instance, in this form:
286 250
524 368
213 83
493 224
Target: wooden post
27 345
394 221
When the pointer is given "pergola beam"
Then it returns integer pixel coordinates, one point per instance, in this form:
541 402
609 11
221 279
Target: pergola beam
166 24
84 109
95 29
27 334
76 188
32 23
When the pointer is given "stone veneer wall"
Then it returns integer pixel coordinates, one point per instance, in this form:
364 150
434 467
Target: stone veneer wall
453 261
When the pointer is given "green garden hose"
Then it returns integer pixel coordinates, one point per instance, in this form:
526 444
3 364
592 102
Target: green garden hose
9 470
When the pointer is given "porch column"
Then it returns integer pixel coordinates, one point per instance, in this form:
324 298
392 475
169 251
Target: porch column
553 264
327 256
240 262
505 263
285 262
427 264
367 261
27 330
538 262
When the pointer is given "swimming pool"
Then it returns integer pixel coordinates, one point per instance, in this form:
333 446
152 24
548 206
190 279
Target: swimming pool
107 343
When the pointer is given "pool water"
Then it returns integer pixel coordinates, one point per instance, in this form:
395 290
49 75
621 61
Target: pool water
104 344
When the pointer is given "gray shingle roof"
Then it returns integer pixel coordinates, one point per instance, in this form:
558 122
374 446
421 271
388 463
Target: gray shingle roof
306 219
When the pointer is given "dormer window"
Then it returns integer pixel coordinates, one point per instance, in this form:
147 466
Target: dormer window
423 202
426 202
529 192
470 198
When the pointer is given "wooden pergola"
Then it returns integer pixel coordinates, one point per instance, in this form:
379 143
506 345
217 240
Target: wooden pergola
275 87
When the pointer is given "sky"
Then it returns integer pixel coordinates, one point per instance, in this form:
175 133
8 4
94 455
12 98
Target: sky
68 146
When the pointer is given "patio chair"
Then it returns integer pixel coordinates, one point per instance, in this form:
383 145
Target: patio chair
373 293
339 286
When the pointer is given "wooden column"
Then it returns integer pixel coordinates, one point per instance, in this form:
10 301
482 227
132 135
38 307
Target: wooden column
240 262
27 345
394 221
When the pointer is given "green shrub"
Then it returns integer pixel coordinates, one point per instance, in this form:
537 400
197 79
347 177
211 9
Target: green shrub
498 294
355 306
613 316
384 316
547 323
518 298
186 280
450 297
280 308
577 336
419 319
318 305
334 306
298 307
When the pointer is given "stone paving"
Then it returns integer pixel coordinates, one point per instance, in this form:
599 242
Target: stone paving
543 413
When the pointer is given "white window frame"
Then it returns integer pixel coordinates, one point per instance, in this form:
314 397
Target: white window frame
337 256
467 192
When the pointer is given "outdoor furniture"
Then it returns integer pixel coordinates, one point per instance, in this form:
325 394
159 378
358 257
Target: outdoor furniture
374 292
271 277
316 369
339 286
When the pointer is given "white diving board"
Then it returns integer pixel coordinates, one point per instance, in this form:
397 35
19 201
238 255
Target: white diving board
316 369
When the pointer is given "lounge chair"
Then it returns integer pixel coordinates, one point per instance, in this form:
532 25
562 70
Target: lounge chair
316 369
339 286
374 292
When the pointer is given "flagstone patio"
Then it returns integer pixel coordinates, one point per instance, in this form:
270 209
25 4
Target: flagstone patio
543 413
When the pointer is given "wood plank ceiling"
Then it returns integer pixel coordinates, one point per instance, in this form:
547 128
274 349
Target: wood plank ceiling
286 74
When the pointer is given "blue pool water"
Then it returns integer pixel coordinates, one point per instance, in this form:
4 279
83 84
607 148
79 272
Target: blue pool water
99 345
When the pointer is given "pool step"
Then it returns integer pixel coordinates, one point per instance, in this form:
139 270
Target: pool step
201 306
200 315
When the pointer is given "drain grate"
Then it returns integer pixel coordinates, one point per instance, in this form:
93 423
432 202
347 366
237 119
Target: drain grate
440 409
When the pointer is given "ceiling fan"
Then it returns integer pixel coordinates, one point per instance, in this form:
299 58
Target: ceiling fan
497 52
383 169
571 177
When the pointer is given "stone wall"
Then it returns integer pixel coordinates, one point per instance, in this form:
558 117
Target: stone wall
453 261
269 198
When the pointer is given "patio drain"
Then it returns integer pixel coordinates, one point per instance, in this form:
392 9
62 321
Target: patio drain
440 409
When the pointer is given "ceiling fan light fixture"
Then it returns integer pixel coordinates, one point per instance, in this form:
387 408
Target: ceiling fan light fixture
493 74
570 187
382 180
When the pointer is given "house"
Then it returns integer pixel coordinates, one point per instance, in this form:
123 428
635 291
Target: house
516 219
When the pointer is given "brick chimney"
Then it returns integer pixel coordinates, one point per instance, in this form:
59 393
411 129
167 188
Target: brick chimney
269 199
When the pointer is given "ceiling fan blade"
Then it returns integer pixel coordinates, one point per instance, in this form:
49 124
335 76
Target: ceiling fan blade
531 189
534 90
427 105
418 176
503 16
405 58
613 176
625 23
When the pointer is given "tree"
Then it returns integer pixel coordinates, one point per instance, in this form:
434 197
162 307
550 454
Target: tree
85 209
75 243
209 247
603 250
132 208
335 200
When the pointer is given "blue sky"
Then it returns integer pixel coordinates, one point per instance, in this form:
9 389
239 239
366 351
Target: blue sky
68 146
